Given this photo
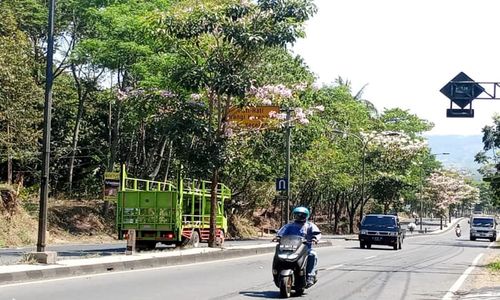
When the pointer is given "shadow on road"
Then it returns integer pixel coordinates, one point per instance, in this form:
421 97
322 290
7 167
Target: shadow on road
462 243
381 247
261 294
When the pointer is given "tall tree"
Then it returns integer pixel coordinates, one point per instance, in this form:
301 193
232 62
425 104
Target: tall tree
219 42
19 95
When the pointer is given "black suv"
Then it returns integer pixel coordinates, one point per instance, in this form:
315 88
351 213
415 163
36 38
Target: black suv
380 230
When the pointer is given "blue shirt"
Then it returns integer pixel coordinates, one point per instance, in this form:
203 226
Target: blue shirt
308 230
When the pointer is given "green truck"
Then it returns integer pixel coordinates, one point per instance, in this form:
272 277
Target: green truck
170 213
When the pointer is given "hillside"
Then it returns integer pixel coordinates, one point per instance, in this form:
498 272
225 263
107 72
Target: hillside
462 149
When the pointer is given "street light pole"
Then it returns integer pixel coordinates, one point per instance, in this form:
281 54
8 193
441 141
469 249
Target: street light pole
47 116
365 144
287 171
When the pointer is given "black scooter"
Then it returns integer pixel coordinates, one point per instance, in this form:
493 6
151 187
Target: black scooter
290 265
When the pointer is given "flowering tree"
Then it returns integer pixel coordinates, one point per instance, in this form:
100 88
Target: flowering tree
392 158
445 188
219 43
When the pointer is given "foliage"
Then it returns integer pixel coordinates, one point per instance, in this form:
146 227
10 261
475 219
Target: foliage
447 188
490 168
20 97
150 83
494 266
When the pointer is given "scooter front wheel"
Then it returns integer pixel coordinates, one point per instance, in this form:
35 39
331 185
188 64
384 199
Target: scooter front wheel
285 286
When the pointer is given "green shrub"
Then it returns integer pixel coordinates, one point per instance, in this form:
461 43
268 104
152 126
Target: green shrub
495 266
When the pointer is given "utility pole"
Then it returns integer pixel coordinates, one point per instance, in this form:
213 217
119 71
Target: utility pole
47 116
287 172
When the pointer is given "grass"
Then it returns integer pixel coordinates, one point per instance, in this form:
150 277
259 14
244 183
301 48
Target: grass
494 266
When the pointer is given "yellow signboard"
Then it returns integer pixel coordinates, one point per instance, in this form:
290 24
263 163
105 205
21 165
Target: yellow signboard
111 185
252 116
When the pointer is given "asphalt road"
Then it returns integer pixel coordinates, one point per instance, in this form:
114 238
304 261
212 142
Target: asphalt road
426 268
10 256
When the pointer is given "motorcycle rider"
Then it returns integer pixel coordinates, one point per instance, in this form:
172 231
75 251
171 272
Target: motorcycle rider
458 230
301 226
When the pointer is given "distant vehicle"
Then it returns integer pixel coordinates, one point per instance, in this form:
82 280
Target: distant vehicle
379 229
483 227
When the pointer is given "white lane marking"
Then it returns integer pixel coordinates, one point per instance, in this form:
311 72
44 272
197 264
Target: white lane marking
335 267
462 278
370 257
88 276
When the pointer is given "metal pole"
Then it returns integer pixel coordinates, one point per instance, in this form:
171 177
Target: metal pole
44 184
421 199
363 183
287 174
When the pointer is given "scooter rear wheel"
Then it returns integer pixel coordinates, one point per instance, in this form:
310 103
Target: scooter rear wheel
285 286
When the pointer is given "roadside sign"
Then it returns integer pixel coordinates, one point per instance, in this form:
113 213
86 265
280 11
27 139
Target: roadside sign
461 90
281 184
252 116
111 186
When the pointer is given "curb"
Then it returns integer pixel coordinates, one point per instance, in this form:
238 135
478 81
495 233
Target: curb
52 272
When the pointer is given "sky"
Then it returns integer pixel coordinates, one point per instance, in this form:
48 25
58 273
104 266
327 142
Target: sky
406 51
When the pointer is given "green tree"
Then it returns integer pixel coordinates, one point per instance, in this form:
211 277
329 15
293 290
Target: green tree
19 95
219 42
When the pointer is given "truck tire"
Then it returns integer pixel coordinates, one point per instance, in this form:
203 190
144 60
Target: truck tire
194 241
362 245
396 245
400 244
221 238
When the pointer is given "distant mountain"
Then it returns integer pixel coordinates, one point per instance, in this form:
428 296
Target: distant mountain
462 149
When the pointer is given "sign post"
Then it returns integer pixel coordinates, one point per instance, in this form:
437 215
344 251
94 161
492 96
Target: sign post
461 90
111 186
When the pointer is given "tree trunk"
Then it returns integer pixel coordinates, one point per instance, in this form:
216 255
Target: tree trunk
168 162
153 175
9 156
213 209
337 210
76 130
113 149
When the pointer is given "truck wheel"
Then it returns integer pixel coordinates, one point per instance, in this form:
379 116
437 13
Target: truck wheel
368 246
285 286
396 245
493 239
400 244
220 239
472 238
195 239
362 245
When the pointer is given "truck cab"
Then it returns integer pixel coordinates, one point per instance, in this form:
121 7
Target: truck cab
483 227
380 229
